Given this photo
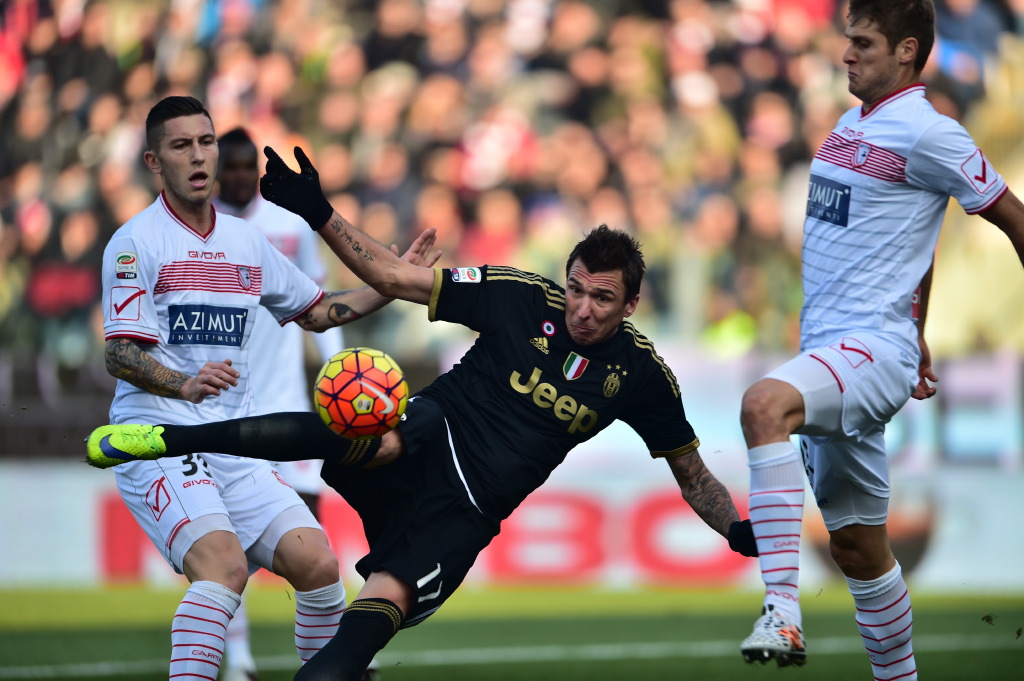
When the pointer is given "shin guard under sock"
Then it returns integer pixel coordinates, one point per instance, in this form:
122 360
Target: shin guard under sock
776 514
885 620
366 627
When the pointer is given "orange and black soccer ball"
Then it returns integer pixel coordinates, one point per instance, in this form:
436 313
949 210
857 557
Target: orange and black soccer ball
360 393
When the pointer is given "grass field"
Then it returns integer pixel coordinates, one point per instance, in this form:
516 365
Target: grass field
540 635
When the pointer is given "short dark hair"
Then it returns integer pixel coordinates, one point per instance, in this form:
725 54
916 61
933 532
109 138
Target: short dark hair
237 136
898 20
166 109
606 249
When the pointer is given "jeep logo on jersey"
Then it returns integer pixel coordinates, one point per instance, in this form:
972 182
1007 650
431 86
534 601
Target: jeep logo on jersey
546 396
206 325
828 201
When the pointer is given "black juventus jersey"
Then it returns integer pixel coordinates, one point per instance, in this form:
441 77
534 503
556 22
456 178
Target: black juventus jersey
525 393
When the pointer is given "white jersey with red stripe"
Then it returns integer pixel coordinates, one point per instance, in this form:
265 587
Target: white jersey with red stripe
276 353
879 187
193 299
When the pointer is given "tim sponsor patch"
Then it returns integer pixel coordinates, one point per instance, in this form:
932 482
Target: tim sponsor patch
466 275
126 265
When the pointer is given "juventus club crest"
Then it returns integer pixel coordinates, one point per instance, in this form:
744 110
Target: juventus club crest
245 276
611 385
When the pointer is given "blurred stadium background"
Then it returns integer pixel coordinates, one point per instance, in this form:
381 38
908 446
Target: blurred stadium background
512 126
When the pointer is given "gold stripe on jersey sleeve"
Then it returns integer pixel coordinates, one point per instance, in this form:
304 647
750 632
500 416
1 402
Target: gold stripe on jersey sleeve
645 344
555 298
435 293
685 449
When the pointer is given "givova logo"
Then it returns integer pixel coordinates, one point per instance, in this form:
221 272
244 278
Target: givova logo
206 325
828 201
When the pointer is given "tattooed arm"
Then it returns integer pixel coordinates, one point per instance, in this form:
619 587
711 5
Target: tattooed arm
406 278
342 307
702 490
127 361
393 277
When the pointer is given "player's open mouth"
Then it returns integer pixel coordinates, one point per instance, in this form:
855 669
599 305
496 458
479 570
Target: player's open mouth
198 179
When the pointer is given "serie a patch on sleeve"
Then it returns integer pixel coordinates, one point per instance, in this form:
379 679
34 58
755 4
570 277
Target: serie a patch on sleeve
126 265
466 275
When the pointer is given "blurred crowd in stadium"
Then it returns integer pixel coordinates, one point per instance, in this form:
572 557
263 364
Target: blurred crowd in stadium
511 125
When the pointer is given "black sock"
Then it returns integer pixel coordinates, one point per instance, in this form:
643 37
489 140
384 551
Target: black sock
366 627
285 436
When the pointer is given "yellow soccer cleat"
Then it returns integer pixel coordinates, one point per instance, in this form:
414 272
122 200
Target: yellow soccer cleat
111 445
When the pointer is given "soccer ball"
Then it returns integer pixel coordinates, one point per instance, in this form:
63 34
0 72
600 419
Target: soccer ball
360 393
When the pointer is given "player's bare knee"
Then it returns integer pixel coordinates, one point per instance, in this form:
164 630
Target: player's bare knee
313 570
761 417
323 569
858 556
234 574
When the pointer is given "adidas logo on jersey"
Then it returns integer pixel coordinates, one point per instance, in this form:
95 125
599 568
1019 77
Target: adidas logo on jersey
541 343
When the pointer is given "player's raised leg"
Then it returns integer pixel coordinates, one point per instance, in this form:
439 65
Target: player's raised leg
284 436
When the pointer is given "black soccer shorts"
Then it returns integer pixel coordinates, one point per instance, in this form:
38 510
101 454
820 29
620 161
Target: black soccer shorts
417 515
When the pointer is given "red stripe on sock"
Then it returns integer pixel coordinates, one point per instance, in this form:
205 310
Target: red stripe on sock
886 607
885 624
901 676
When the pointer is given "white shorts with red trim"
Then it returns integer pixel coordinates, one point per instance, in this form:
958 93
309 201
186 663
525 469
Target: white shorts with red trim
303 475
851 388
168 494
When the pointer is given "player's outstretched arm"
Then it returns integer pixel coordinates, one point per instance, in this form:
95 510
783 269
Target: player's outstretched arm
711 501
342 307
127 361
374 263
1008 215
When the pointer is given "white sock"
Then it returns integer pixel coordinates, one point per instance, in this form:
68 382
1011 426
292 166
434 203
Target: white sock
885 621
317 614
776 513
236 644
198 628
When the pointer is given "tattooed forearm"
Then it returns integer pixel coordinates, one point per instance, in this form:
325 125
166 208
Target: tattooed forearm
330 311
340 313
340 227
129 362
706 495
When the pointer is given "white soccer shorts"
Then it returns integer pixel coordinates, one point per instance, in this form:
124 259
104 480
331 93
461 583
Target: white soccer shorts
852 388
167 494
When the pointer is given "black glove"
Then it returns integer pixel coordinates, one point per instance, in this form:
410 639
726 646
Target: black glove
741 538
298 192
